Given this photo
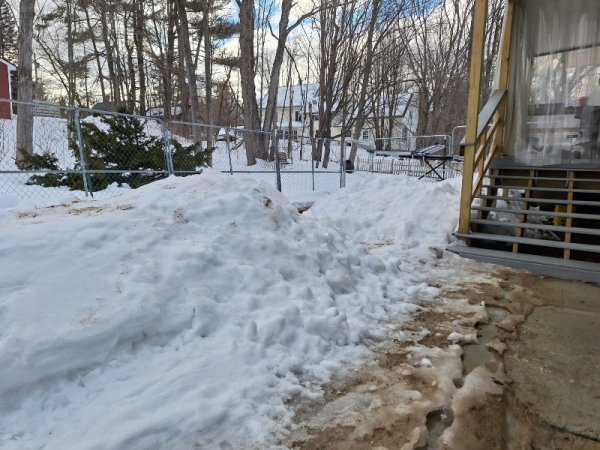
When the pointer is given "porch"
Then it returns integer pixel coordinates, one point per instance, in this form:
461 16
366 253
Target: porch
531 181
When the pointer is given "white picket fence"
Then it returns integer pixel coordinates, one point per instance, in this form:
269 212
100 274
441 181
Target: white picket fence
415 167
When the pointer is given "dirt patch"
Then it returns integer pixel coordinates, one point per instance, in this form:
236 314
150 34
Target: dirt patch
27 214
92 210
401 399
378 244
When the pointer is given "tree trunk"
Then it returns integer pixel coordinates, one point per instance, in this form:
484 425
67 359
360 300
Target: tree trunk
167 69
131 88
138 38
25 112
184 88
190 69
70 53
96 53
208 72
254 142
286 6
122 79
361 116
110 61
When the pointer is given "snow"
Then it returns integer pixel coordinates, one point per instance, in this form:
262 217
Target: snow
396 215
190 311
300 96
455 336
480 387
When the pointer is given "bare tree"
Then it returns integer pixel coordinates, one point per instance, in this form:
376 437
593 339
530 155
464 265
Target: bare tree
207 68
108 48
138 38
388 90
255 142
365 73
438 58
339 36
25 111
190 69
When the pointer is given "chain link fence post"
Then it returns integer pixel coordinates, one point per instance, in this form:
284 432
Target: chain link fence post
86 182
277 162
167 149
312 163
228 145
342 164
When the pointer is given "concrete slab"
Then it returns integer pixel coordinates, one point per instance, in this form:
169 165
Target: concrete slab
555 364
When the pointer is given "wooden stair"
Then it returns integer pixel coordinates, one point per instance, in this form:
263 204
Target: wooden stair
546 219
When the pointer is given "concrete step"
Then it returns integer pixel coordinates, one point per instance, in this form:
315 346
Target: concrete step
541 200
542 189
553 267
529 212
502 176
537 226
530 241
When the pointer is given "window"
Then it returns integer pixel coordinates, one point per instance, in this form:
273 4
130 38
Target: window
556 90
298 116
365 134
286 134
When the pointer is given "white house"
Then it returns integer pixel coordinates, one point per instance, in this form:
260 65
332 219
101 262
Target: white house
395 118
293 106
159 111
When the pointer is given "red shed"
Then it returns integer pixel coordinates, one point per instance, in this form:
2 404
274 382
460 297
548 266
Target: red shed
5 88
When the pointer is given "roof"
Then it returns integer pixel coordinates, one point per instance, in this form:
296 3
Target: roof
159 111
302 94
403 101
294 125
10 66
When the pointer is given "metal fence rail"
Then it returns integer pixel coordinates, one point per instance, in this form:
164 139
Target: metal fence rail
79 152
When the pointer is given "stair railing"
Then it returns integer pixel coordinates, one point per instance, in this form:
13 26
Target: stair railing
479 155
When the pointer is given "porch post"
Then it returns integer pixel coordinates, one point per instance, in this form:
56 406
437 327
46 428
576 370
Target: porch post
504 63
504 60
477 45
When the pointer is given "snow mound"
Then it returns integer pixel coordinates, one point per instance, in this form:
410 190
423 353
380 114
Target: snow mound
186 312
399 213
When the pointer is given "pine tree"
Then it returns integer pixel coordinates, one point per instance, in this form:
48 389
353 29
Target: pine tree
8 33
120 144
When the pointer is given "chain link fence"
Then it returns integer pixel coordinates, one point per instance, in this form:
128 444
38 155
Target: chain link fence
284 160
77 153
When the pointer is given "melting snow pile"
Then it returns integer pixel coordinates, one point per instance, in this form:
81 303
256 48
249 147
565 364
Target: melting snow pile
187 312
